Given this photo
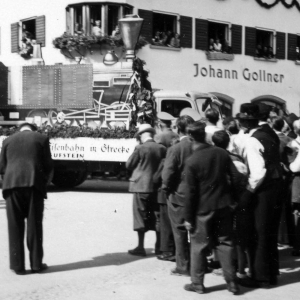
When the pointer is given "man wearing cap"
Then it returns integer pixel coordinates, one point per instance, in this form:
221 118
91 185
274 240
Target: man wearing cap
167 138
173 185
26 166
145 163
261 196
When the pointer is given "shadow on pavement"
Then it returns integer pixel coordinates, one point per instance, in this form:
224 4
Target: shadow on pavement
108 259
289 270
94 186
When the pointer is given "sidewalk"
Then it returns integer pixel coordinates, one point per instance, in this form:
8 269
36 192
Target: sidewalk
87 233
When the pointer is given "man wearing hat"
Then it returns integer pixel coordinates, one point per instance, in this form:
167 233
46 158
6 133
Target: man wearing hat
145 164
167 138
261 196
26 166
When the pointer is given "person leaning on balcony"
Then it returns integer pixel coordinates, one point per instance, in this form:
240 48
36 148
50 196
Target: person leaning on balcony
96 30
145 164
116 32
211 45
175 41
26 166
218 46
258 51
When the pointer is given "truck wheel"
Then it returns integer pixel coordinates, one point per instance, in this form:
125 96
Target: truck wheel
68 178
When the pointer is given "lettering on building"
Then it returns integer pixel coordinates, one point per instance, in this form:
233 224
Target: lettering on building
247 74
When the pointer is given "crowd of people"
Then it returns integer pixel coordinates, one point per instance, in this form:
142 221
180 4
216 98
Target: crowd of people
166 39
219 196
264 52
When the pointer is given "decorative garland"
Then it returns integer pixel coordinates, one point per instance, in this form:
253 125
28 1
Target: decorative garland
71 132
75 43
287 5
141 96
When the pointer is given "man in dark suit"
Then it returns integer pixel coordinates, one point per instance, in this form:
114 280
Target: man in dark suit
262 194
208 214
167 138
26 165
145 162
173 185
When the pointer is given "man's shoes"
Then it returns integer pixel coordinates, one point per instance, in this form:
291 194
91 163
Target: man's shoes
273 280
20 272
248 282
137 251
212 264
217 272
233 287
295 253
166 256
41 269
264 284
177 272
198 288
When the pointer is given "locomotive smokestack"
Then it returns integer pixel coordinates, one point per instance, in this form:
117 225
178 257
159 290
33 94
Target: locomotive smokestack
130 28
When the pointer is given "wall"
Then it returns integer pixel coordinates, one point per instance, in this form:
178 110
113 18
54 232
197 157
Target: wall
172 69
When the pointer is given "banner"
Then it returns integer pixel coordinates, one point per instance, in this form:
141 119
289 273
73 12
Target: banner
90 149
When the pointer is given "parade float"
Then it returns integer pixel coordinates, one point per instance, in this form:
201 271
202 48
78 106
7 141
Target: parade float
91 111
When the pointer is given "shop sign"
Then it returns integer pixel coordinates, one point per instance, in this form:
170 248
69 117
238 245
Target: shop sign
246 74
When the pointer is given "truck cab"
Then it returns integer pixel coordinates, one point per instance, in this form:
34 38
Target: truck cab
174 102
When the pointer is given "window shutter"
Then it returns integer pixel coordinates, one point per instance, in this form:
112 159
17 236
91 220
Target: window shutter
186 31
292 44
201 42
147 28
280 45
3 84
14 28
40 30
236 39
250 41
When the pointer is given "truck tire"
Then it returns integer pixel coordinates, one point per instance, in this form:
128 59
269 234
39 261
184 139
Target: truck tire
68 178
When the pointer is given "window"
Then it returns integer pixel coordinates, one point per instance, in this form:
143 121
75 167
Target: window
265 41
27 32
97 18
29 28
174 107
166 30
218 37
229 36
265 44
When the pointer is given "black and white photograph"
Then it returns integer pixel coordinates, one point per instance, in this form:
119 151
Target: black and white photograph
149 149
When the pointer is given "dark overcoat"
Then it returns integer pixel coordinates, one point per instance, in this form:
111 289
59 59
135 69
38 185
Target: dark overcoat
208 188
172 175
26 161
145 162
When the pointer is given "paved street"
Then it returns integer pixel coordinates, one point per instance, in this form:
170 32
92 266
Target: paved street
87 232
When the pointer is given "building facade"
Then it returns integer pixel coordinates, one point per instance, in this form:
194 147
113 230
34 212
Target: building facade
259 58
